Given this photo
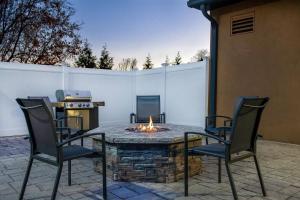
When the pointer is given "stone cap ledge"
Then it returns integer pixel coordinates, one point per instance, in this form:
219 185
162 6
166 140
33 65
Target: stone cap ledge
118 135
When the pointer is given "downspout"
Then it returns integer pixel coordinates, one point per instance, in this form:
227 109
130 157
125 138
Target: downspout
212 96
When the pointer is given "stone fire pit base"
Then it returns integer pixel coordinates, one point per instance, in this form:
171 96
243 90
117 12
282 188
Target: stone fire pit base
161 162
147 162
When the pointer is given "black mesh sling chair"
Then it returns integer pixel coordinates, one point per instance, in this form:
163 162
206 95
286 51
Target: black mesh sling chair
243 138
64 131
147 106
222 130
46 148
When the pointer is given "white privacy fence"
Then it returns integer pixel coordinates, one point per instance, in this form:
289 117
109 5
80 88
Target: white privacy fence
182 88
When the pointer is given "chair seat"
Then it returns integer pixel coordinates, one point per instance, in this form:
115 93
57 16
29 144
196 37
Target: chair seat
76 151
217 130
214 149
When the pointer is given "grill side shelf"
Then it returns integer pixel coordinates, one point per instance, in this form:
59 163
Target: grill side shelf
62 104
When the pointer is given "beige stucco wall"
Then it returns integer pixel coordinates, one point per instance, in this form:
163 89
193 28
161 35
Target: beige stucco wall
265 63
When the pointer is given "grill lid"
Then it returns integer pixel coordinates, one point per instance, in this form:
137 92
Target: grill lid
73 95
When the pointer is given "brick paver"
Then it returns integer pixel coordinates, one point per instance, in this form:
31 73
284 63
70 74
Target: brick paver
280 164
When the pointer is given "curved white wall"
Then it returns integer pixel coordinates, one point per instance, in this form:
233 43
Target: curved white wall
183 91
186 96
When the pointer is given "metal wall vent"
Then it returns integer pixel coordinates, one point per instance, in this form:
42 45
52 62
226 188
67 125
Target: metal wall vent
243 23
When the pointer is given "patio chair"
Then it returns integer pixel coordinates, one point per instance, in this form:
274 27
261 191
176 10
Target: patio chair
64 131
46 148
221 131
242 140
147 106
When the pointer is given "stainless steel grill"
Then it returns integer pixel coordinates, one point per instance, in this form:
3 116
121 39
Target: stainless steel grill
73 95
78 103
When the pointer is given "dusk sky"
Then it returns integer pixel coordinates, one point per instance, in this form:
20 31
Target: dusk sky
134 28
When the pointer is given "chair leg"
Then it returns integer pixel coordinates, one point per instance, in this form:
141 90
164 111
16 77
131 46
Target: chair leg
260 176
104 188
26 178
186 171
231 181
219 161
59 169
206 140
69 172
81 142
219 171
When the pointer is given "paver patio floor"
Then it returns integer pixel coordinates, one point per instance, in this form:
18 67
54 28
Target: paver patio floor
280 165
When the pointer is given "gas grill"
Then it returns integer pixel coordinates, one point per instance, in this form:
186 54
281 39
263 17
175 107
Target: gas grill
77 103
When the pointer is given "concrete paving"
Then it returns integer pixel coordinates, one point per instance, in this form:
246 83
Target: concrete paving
280 165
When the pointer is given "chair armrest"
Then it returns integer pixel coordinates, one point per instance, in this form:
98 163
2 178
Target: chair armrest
162 117
206 135
79 137
213 118
218 116
132 115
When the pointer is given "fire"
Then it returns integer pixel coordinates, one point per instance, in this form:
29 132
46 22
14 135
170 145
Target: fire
150 125
149 128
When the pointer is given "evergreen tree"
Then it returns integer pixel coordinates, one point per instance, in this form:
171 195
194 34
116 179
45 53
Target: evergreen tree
105 61
148 63
86 58
177 59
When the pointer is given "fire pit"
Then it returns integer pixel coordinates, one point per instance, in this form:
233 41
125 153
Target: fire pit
150 128
147 154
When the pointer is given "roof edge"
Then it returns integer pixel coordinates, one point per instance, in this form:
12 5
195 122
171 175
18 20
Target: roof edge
210 4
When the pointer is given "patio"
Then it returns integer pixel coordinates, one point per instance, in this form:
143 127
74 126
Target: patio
279 163
148 161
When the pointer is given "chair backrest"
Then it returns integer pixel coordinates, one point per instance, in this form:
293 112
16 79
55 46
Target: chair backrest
246 119
40 126
148 106
46 100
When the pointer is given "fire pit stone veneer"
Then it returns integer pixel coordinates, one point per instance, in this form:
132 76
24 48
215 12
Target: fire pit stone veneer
147 157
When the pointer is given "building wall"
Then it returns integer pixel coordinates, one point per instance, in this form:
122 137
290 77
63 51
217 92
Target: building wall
183 91
265 63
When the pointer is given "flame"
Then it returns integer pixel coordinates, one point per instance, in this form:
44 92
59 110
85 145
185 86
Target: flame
150 125
149 128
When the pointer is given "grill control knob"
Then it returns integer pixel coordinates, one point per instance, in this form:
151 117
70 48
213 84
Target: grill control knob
87 105
79 105
71 105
